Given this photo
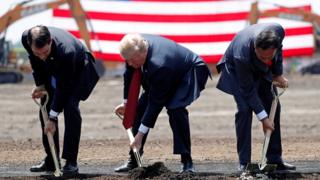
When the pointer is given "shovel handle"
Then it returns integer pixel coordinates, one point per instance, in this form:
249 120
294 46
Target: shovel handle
44 114
57 172
119 116
273 109
135 151
268 133
131 138
263 161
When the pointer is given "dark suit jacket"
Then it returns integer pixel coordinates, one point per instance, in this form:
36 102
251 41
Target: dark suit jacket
169 77
69 63
241 69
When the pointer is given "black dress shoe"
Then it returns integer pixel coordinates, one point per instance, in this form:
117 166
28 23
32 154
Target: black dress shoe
187 167
285 166
70 169
127 166
42 167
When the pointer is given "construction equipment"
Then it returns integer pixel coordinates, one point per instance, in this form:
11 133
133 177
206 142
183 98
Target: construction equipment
24 9
291 13
8 72
44 114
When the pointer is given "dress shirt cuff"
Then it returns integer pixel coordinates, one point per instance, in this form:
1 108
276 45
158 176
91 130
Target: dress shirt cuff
263 114
42 87
143 129
53 113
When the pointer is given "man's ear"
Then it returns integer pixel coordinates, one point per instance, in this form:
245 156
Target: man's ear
50 42
29 36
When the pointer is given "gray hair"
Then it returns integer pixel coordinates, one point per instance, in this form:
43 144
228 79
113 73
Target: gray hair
131 44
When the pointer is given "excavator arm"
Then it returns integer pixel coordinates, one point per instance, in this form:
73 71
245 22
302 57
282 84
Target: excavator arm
80 17
25 9
298 14
22 10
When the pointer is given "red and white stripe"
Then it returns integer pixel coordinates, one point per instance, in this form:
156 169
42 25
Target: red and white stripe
204 26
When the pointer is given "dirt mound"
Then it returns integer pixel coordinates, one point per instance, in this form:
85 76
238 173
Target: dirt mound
159 171
156 169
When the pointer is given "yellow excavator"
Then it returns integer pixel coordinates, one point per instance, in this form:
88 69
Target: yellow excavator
25 9
292 13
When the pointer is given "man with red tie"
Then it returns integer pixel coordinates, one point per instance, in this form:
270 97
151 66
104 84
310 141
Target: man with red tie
172 77
251 62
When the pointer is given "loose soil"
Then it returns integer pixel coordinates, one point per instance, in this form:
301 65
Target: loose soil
104 143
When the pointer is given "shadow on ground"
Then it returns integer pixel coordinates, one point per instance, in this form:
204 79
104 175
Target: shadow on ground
159 171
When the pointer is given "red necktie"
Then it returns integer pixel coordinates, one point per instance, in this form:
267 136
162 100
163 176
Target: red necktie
269 63
132 102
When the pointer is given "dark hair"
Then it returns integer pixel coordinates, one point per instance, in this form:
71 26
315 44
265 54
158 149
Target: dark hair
39 38
267 39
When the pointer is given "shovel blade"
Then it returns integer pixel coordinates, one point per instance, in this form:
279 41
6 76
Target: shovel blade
263 161
57 173
138 158
255 168
268 168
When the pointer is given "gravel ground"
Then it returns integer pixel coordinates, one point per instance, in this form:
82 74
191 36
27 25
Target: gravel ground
104 144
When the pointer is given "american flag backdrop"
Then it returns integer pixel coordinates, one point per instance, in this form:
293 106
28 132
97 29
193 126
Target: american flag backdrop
204 26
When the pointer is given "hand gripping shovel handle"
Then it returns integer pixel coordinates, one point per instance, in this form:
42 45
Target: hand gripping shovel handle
263 162
43 109
131 138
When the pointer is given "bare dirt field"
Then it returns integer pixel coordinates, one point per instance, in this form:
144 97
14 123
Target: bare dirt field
104 143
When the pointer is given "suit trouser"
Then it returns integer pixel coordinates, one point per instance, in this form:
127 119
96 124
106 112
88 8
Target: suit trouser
179 122
72 131
243 123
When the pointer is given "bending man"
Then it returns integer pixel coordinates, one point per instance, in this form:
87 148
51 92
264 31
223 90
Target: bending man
172 77
251 62
64 68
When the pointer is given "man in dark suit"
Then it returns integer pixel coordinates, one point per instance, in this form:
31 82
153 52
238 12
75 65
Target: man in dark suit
64 68
251 62
172 77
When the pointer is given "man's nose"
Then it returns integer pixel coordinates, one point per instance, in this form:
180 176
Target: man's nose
130 63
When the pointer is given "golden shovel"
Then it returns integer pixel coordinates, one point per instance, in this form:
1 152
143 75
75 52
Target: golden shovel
43 110
263 166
